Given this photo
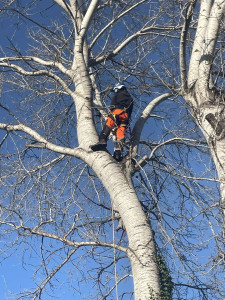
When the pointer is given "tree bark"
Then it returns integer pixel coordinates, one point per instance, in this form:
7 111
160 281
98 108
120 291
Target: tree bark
207 104
211 119
141 251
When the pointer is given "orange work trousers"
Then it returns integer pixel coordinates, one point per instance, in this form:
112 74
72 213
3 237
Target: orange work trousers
120 119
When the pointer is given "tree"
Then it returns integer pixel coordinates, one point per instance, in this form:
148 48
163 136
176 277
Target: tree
55 87
200 88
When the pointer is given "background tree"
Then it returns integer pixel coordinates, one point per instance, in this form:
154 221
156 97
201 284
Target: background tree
60 200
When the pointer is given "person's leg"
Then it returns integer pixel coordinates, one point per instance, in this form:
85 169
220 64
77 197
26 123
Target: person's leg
101 145
104 134
122 121
118 145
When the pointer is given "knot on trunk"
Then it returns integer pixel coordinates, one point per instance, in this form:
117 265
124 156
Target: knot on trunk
218 126
120 222
217 122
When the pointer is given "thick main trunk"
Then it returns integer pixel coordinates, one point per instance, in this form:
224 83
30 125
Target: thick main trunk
141 252
86 131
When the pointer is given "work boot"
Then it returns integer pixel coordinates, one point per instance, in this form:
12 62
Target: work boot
101 145
118 155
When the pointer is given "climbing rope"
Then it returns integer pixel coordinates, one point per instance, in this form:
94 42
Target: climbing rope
114 254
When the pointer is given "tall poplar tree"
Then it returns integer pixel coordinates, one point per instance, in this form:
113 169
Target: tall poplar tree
58 67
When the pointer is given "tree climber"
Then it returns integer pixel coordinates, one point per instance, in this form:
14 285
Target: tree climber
118 119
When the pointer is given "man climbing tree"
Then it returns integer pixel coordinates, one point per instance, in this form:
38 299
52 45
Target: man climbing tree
59 200
118 118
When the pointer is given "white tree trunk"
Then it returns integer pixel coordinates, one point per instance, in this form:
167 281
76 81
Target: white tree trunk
141 251
204 100
211 35
215 141
199 41
216 144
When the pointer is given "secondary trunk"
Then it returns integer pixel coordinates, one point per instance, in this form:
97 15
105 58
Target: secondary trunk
211 119
213 127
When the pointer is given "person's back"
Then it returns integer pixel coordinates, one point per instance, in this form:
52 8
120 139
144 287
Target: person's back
118 117
122 100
